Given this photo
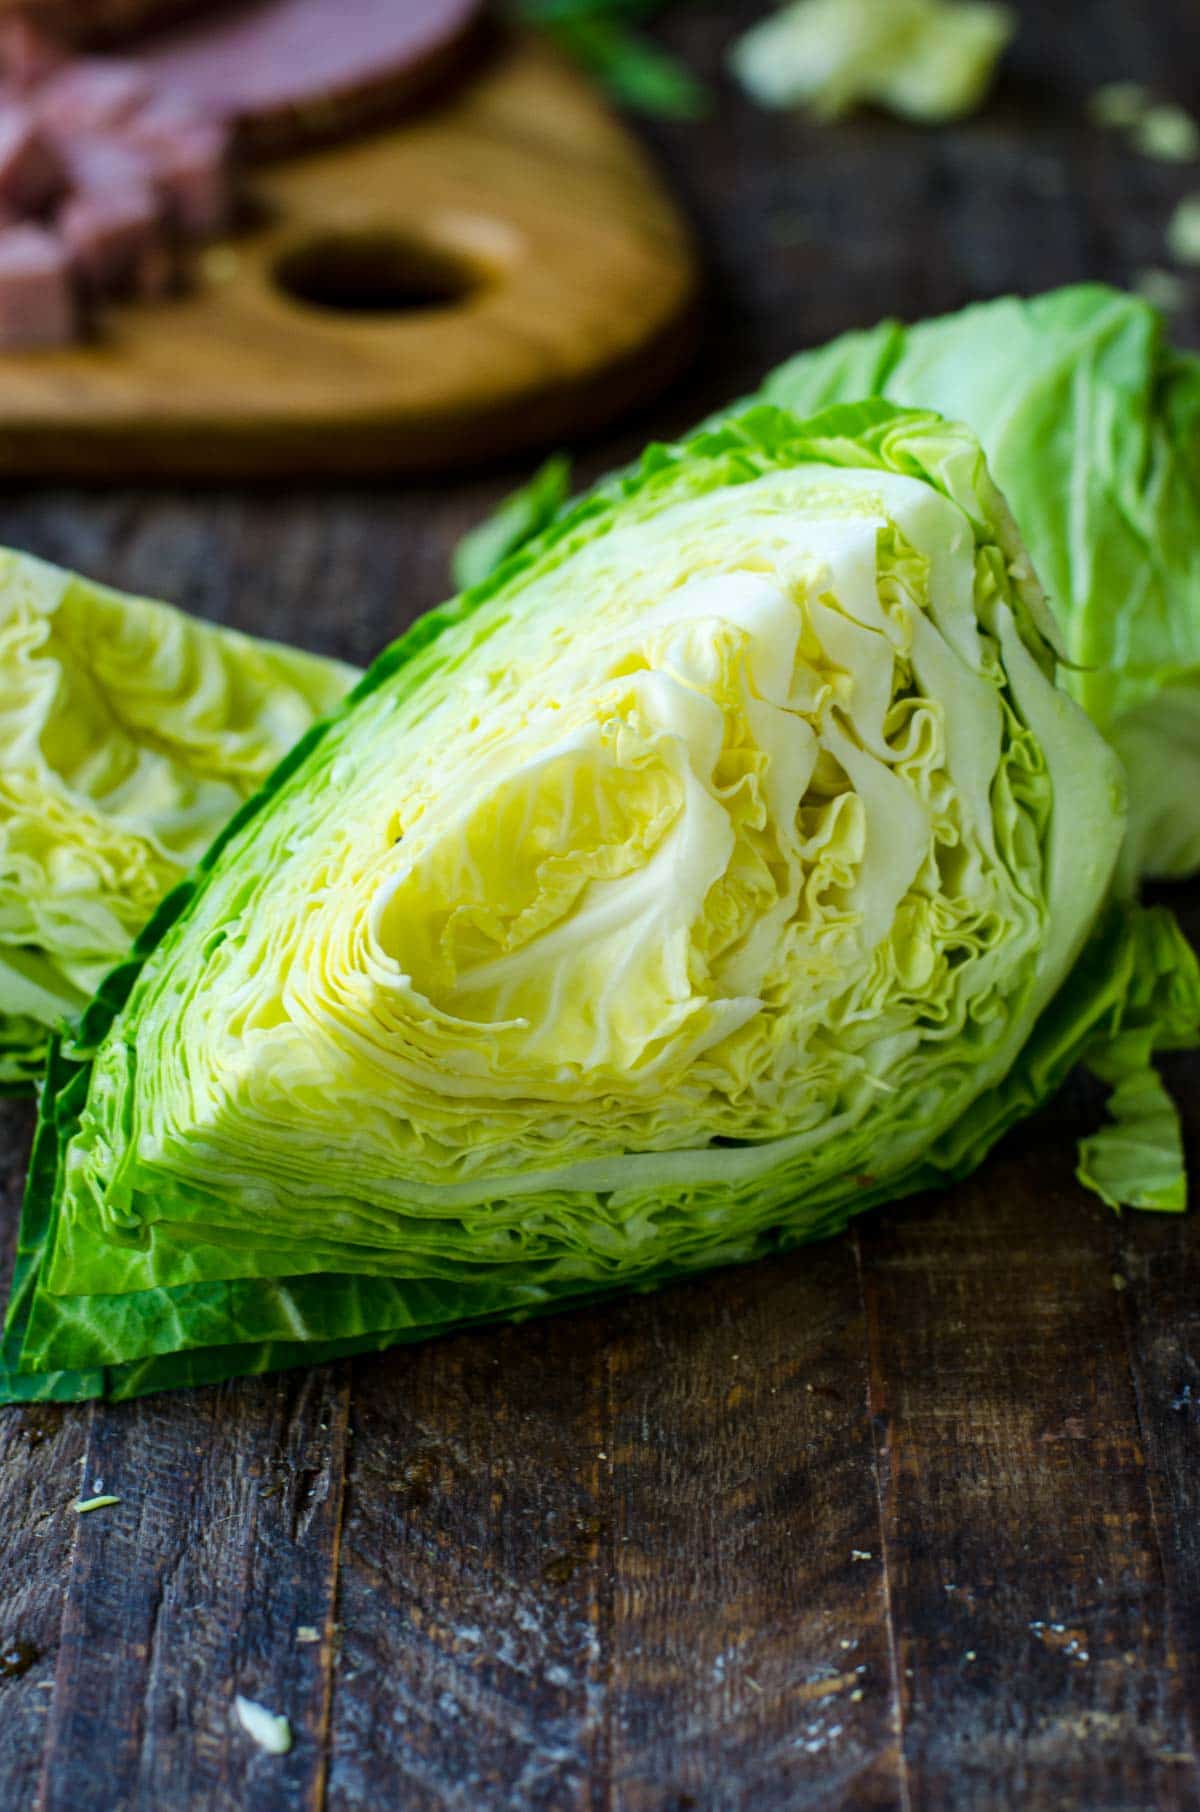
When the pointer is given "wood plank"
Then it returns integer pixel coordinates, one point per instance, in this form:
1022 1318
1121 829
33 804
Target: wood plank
41 1453
750 1659
612 1559
1159 1261
1038 1663
207 1579
472 1590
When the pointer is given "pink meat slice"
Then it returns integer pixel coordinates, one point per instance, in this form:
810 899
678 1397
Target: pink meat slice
37 298
32 174
282 70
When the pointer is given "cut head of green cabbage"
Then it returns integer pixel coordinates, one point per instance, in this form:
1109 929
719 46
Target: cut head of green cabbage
683 889
129 734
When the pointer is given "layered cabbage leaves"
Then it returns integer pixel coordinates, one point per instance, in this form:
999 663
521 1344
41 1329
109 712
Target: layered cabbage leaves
1091 425
129 734
727 862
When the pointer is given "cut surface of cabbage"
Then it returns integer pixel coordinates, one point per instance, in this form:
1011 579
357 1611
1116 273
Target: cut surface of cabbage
129 734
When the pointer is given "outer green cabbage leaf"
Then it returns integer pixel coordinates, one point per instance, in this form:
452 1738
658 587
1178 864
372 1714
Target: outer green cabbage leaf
1135 991
1091 425
677 893
517 520
1137 1158
129 734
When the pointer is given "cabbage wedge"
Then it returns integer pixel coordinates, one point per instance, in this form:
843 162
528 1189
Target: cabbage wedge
129 734
726 863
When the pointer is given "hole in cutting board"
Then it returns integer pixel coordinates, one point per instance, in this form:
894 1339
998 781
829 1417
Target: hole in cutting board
376 273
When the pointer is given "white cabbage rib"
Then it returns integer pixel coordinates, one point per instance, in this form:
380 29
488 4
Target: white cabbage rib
717 858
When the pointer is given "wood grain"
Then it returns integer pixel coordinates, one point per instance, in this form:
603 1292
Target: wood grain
41 1455
735 1676
512 1621
512 271
236 1472
1037 1660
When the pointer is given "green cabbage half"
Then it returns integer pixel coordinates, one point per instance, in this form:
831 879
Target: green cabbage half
1091 425
725 864
129 734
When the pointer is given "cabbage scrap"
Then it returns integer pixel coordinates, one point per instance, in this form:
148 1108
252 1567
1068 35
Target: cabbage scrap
926 60
725 864
129 734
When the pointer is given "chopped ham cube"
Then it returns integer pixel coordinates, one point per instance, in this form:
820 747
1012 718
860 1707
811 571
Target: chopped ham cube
27 55
126 168
112 240
98 165
191 165
92 94
37 300
31 170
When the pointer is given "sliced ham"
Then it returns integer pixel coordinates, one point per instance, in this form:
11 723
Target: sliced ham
131 155
286 71
37 297
194 175
32 174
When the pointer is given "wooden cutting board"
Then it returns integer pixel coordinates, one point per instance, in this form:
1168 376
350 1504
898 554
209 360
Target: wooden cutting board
503 271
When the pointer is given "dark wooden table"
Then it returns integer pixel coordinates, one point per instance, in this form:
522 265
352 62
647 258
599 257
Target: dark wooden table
910 1520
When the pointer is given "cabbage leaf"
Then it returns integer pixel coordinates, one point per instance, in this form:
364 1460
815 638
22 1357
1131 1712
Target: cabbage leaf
726 863
129 734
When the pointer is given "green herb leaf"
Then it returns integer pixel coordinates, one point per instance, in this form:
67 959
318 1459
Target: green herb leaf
636 72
